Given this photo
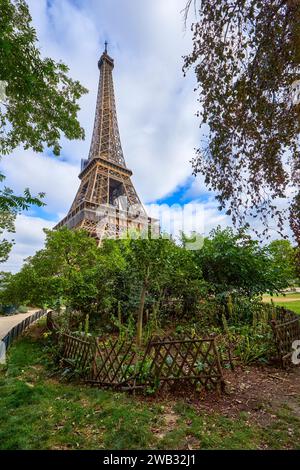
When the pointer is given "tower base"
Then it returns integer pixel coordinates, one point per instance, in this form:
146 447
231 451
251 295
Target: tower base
103 221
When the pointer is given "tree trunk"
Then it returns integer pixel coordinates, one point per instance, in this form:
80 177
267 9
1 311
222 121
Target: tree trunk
139 334
119 314
229 306
141 315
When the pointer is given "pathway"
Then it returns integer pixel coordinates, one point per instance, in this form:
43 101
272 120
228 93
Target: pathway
276 299
8 322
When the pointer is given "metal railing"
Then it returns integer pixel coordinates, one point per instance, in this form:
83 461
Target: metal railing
20 327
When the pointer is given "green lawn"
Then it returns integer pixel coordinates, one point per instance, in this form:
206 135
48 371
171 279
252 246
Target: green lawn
294 306
286 301
38 412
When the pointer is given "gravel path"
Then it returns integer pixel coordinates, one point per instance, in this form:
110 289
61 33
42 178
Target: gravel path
8 322
285 299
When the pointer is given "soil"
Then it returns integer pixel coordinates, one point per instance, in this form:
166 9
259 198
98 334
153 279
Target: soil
256 390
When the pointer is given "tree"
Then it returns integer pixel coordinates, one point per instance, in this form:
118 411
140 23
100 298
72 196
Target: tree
38 103
41 99
48 277
234 264
146 260
283 256
185 284
131 273
246 56
70 270
156 271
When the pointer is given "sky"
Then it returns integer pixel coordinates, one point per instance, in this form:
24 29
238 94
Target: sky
156 107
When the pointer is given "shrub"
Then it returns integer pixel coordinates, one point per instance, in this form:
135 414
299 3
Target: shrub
22 309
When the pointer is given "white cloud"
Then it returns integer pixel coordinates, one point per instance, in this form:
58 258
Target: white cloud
195 216
53 176
29 238
197 188
156 104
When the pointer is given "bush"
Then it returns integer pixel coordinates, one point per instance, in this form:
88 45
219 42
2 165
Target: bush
247 310
23 309
254 344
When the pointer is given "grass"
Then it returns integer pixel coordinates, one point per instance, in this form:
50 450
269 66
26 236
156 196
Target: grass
294 306
39 412
288 301
222 433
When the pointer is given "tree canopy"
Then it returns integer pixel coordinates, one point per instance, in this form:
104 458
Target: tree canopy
68 271
234 263
246 56
41 99
138 281
284 259
38 103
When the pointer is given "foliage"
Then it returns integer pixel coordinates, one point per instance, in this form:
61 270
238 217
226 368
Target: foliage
253 343
233 263
143 287
246 56
126 329
156 270
62 272
39 105
41 99
22 309
284 260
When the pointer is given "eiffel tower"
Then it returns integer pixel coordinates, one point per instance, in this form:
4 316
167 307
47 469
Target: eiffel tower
106 203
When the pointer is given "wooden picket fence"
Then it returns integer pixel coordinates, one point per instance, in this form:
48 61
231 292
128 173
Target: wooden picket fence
286 330
77 352
164 362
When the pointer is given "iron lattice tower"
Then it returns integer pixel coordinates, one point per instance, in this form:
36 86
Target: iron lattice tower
106 203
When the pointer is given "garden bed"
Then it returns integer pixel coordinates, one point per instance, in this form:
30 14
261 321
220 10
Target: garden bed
260 411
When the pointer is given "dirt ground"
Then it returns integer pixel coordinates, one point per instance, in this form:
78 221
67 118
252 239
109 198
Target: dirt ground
257 390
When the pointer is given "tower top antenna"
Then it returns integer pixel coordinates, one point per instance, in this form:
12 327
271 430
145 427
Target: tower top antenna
106 44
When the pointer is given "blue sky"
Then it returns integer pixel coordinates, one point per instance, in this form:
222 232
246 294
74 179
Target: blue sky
156 108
